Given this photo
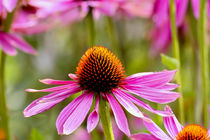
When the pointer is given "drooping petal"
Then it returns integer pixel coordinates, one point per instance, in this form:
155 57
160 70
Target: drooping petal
6 45
169 86
93 118
55 82
151 79
152 94
46 102
119 114
21 44
9 4
171 124
195 7
127 104
156 130
54 89
77 116
143 105
143 136
63 116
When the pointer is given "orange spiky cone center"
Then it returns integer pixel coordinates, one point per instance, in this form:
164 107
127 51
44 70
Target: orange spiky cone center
193 132
99 70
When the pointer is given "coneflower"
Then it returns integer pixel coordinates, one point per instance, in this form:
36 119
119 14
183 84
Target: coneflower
175 130
100 74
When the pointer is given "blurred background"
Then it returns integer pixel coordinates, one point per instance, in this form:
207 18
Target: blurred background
59 50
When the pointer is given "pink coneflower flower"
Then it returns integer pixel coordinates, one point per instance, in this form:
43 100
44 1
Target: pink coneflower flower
161 33
9 41
7 5
74 10
100 73
175 130
135 8
27 21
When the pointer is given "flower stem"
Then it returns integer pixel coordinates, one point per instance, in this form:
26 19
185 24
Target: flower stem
202 30
176 51
91 28
105 119
3 108
4 121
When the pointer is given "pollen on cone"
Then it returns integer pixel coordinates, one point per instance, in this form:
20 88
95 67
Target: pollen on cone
99 70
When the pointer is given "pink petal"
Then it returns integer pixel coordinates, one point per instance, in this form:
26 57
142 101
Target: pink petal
21 44
93 118
155 130
63 116
143 136
9 4
208 132
195 7
171 124
54 89
46 102
127 104
152 79
119 114
169 86
55 82
77 116
6 45
73 76
152 94
142 104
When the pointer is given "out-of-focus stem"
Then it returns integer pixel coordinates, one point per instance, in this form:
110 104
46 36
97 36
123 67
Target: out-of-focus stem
113 35
3 108
105 119
4 121
176 51
202 30
91 28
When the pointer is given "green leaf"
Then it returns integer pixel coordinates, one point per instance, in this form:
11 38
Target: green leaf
35 135
169 62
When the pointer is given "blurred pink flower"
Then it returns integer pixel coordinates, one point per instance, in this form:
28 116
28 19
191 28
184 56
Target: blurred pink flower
135 8
161 32
195 6
7 5
80 134
69 11
99 72
9 41
174 129
26 20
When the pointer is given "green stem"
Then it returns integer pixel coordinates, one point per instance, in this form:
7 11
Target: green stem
202 30
91 28
105 119
176 52
112 35
3 108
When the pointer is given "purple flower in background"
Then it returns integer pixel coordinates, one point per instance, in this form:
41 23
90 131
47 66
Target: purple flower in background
174 129
161 33
135 8
27 21
100 73
7 5
9 41
69 11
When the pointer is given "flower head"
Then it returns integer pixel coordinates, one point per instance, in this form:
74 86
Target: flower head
161 33
175 130
100 73
7 6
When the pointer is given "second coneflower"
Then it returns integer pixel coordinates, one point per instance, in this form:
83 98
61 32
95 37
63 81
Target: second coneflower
100 74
